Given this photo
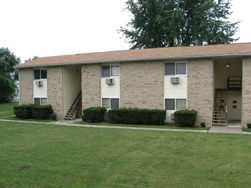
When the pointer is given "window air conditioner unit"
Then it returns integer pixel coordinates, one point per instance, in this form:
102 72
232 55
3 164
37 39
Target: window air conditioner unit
175 80
109 81
39 83
172 116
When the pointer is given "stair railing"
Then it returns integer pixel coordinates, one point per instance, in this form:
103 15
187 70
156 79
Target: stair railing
226 109
76 101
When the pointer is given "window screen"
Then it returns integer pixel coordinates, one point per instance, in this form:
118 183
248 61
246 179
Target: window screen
180 104
170 104
37 101
170 69
114 103
105 71
106 103
115 70
43 74
43 101
180 68
36 74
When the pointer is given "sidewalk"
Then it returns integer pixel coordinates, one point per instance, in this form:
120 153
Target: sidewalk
219 129
214 129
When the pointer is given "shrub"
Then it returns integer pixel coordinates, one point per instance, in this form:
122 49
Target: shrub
137 116
203 124
185 118
53 116
42 112
23 111
249 125
94 114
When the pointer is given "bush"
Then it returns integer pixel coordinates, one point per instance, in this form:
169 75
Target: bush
137 116
53 116
23 111
42 112
203 124
185 118
249 125
94 114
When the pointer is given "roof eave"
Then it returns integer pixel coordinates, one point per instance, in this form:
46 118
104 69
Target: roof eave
137 60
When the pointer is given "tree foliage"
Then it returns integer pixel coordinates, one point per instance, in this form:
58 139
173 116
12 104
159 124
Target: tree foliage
163 23
8 75
35 57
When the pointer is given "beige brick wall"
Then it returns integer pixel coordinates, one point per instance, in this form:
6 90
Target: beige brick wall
201 89
55 90
246 91
142 85
91 86
26 86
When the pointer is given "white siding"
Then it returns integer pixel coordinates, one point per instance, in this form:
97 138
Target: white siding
40 92
110 91
175 90
234 113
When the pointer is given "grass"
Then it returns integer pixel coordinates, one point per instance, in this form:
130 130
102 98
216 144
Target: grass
38 155
142 126
35 120
6 109
246 129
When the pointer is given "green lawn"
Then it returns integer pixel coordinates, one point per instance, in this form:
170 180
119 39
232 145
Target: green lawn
6 109
39 155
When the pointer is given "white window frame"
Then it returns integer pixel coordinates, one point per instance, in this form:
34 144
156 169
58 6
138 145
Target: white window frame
40 99
39 74
175 69
110 101
110 76
175 103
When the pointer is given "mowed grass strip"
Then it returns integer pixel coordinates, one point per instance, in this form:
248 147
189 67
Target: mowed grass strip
37 155
6 109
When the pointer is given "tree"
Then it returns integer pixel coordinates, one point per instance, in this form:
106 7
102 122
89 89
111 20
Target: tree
8 74
164 23
35 57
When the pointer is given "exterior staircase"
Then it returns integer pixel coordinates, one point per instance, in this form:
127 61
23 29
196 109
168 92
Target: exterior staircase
74 109
220 107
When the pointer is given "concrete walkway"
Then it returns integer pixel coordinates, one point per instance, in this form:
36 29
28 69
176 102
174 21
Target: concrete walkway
221 129
215 129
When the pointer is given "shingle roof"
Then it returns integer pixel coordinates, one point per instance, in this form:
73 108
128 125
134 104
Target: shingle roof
237 49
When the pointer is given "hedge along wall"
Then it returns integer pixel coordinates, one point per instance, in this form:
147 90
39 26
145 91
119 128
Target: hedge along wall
137 116
33 111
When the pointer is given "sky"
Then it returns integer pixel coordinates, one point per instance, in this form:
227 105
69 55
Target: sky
62 27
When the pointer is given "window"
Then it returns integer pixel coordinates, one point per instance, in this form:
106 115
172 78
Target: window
110 71
40 101
175 68
175 104
109 103
40 74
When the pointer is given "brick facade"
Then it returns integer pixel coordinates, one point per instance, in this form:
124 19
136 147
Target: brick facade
91 86
55 90
142 84
201 89
246 92
26 86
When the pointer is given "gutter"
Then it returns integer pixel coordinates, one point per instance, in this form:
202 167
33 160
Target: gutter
138 60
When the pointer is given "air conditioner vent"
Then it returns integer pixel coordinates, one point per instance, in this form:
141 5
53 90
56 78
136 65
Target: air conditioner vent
175 80
39 83
109 81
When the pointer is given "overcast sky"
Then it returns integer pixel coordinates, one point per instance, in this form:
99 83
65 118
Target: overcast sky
61 27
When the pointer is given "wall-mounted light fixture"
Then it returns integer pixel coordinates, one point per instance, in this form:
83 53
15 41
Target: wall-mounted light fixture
227 65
